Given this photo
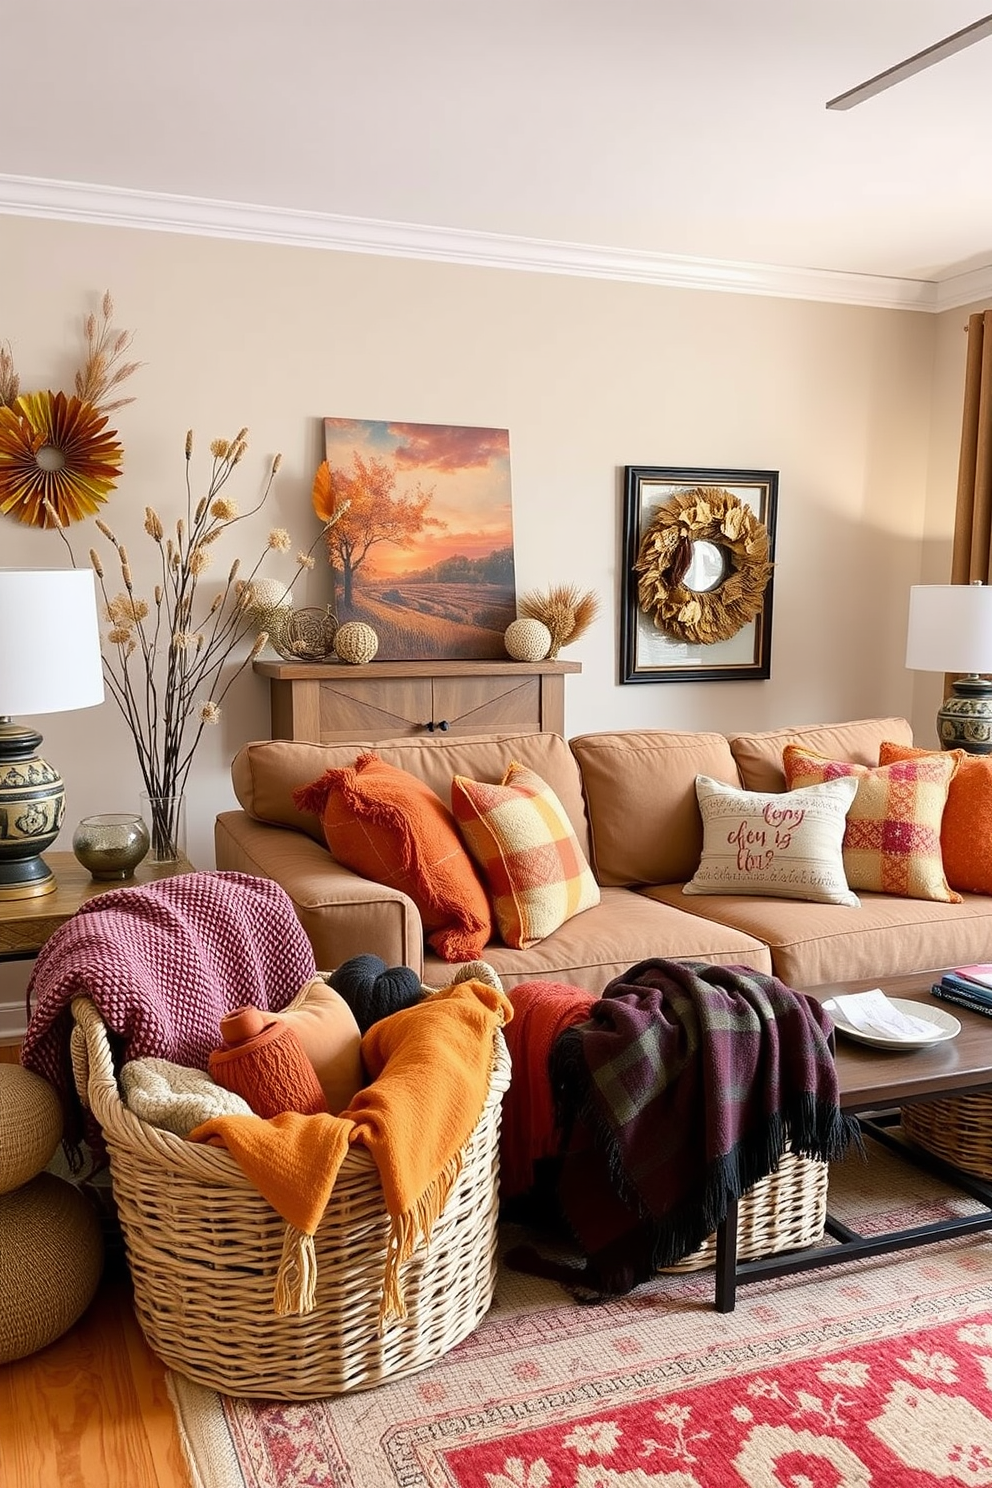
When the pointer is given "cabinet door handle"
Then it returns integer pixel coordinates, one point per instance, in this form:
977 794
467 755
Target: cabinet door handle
428 726
443 725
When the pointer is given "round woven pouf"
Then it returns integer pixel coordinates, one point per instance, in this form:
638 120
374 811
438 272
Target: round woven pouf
51 1259
356 642
527 640
30 1125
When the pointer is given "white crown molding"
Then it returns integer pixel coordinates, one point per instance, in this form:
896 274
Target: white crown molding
112 206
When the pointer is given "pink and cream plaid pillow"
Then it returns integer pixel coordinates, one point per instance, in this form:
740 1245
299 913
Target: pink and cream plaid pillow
521 838
892 839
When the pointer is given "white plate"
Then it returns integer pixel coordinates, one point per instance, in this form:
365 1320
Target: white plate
945 1026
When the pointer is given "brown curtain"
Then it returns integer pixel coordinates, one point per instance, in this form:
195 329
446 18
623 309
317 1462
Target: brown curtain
971 556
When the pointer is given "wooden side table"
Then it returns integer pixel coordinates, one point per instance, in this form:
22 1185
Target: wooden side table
25 924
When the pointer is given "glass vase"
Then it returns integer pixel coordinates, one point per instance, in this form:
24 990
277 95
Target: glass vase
165 817
111 845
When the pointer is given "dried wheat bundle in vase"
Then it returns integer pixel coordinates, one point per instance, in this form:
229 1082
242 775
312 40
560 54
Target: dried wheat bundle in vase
564 609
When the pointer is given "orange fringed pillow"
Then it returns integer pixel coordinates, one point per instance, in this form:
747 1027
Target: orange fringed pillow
892 839
387 825
966 830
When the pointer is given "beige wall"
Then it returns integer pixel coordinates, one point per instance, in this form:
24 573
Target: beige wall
587 375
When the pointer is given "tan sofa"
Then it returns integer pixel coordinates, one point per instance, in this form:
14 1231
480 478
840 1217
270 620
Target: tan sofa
630 796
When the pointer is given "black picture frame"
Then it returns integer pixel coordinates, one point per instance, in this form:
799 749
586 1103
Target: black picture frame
648 655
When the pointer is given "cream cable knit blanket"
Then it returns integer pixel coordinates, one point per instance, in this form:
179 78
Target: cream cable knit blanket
174 1097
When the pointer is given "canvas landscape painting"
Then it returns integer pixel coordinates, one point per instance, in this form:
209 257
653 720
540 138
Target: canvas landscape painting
424 553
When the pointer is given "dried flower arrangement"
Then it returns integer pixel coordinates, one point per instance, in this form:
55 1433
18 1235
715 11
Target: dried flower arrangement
167 656
564 609
58 459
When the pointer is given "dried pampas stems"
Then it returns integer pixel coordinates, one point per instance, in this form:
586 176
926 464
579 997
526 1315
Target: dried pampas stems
564 609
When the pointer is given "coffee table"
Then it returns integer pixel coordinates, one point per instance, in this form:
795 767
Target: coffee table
873 1084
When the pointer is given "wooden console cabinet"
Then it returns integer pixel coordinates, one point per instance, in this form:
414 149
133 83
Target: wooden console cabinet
332 703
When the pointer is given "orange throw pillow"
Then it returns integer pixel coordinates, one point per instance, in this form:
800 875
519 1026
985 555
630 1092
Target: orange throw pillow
892 839
387 825
966 831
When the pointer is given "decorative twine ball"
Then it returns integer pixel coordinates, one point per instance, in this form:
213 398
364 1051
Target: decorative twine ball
527 640
51 1260
356 642
304 635
30 1125
264 598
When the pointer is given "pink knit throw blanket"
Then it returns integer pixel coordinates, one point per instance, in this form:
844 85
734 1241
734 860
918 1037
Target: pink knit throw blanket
162 963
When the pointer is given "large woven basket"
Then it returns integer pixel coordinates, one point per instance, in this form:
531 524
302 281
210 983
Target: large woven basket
959 1130
784 1211
204 1247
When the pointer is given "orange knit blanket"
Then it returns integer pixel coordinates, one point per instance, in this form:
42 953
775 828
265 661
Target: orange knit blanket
430 1068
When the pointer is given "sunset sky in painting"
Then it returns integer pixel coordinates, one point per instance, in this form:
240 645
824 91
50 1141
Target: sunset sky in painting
468 470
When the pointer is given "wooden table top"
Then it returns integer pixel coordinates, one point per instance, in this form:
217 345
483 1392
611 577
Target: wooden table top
878 1077
25 924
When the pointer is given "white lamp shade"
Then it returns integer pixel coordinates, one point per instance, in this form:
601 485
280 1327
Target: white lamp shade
49 641
950 628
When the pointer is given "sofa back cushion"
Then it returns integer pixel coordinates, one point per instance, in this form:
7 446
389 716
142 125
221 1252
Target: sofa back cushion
759 756
266 773
641 794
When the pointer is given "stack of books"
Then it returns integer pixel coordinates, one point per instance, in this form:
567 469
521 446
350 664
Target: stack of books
968 986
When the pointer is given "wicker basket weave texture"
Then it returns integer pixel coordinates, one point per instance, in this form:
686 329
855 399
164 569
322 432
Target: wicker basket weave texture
204 1248
958 1129
784 1211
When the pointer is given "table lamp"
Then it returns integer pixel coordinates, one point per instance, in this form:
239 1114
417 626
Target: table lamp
50 661
950 630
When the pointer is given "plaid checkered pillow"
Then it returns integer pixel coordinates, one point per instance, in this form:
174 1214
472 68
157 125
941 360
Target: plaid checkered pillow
523 842
892 839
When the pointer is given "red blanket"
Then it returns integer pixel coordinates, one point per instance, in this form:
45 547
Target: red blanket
162 963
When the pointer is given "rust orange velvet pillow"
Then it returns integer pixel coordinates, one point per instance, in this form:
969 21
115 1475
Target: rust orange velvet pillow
966 830
387 825
892 839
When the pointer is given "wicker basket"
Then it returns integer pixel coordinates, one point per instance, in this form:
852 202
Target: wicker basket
204 1247
784 1211
959 1130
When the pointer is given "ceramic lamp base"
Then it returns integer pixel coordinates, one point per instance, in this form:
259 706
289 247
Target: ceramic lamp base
32 805
965 718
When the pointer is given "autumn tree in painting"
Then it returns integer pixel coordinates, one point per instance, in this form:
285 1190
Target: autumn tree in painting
376 514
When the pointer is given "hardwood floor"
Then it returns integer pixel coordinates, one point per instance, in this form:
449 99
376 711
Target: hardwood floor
91 1410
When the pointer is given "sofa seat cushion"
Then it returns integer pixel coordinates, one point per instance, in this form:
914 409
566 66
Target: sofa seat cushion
640 788
520 837
624 928
816 943
759 756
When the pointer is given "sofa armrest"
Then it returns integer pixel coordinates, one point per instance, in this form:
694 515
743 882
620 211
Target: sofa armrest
343 914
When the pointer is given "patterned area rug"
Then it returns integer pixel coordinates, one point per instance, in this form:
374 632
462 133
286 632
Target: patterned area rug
875 1374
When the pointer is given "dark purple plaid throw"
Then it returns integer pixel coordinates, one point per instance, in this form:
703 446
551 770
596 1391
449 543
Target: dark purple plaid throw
682 1089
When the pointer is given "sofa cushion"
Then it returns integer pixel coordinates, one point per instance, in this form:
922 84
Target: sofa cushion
759 756
267 771
966 828
591 949
518 833
389 826
812 944
785 844
641 792
892 840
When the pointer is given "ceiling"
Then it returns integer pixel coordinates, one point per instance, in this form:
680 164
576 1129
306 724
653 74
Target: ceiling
685 141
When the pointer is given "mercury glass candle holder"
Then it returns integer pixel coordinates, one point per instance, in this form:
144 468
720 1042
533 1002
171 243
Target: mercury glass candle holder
111 845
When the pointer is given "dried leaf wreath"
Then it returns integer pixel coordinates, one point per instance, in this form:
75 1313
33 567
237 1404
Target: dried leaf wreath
703 514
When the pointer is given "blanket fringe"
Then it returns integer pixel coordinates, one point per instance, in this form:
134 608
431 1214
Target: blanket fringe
404 1231
296 1278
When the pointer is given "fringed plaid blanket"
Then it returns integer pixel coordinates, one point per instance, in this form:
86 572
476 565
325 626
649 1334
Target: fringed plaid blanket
162 963
682 1089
